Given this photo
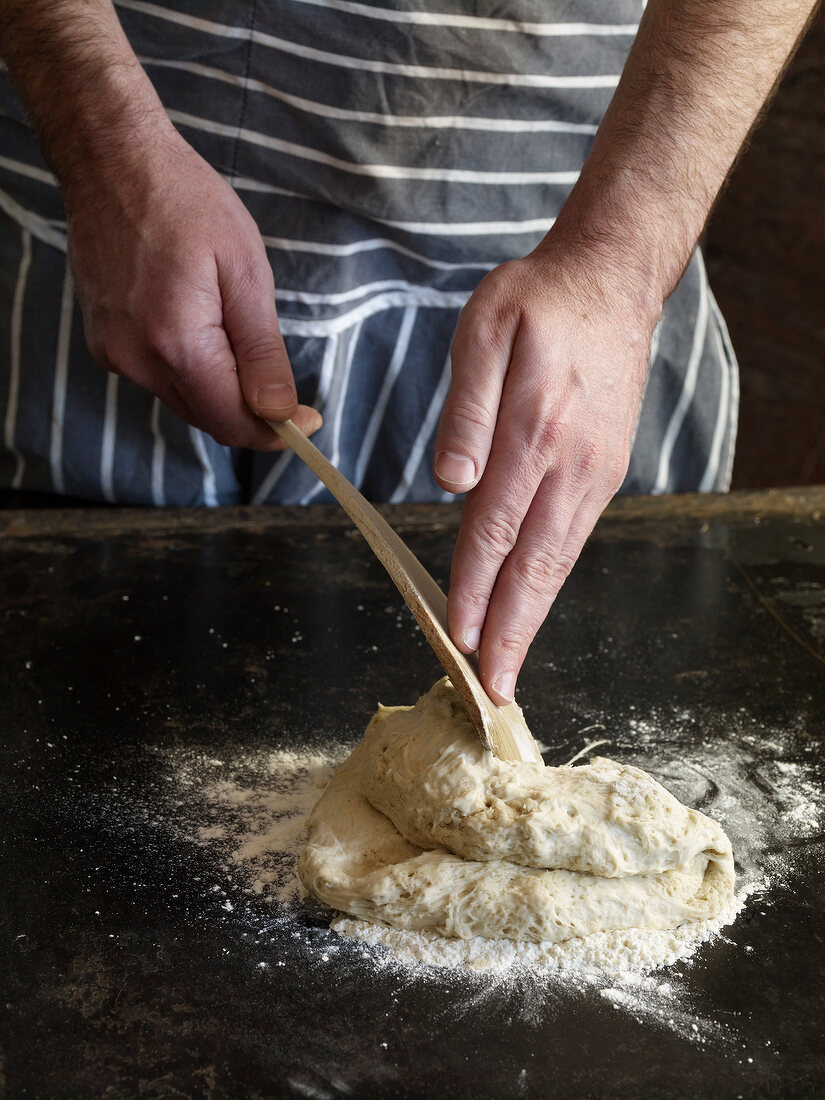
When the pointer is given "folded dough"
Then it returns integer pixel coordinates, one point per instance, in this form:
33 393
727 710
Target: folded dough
422 828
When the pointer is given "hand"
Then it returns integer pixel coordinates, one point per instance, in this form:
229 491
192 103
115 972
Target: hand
177 292
549 361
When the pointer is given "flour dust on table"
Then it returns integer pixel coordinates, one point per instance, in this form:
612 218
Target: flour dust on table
239 817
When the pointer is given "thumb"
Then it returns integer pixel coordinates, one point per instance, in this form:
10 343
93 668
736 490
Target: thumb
251 323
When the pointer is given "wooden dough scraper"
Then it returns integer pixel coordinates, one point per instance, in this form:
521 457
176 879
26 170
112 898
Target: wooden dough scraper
501 729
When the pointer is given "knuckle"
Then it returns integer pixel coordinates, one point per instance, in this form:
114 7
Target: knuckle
97 349
115 352
486 323
547 438
615 470
497 533
464 412
165 344
255 350
534 572
589 459
473 599
501 279
480 338
251 274
562 568
226 435
477 600
543 572
514 640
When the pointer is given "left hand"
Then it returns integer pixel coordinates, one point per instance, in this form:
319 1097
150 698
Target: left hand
549 361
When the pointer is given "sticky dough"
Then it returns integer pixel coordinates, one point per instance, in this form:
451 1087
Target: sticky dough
422 828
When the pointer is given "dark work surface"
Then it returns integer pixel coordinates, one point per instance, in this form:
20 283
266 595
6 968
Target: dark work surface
121 976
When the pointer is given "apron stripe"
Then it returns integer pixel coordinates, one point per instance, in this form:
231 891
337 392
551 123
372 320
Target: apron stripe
422 122
729 358
107 446
369 244
474 22
28 170
61 378
158 456
423 297
680 411
340 402
374 171
210 495
35 225
484 229
364 64
16 323
393 370
376 290
424 432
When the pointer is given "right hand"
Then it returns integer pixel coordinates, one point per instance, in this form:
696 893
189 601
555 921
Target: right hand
549 363
177 292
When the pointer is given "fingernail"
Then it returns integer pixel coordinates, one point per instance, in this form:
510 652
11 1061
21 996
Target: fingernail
455 469
505 685
471 638
275 398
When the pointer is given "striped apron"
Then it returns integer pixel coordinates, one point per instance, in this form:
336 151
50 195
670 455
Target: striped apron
391 155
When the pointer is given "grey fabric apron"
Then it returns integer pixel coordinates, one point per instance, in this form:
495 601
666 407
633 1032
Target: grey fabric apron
391 154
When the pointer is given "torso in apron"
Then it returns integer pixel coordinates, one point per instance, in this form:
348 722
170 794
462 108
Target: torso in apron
390 156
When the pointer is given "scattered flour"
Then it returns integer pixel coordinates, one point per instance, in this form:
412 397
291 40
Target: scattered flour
246 813
259 827
621 955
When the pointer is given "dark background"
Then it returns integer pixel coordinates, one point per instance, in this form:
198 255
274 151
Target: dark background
766 255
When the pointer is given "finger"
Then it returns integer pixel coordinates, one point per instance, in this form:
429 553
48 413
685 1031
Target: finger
173 392
524 449
137 363
185 359
201 384
307 418
251 323
170 397
479 357
489 530
551 538
204 377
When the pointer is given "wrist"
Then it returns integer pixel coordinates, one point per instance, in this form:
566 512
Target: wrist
632 243
109 127
613 265
111 143
89 100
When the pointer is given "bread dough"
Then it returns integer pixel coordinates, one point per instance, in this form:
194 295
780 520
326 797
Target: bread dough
424 829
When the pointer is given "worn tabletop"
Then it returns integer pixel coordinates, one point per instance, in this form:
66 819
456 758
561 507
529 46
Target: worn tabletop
137 645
